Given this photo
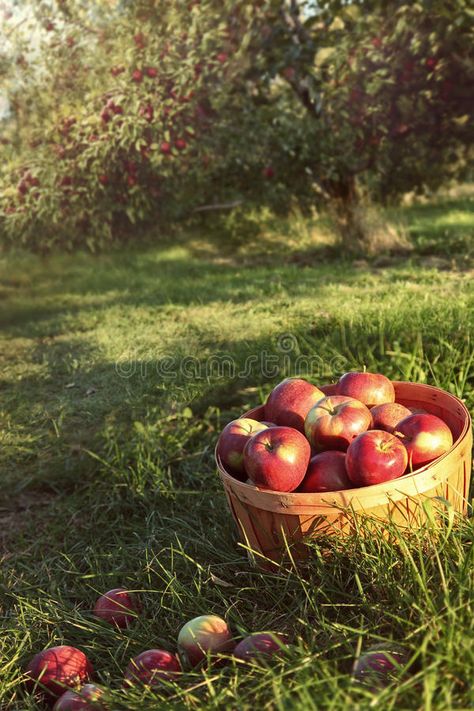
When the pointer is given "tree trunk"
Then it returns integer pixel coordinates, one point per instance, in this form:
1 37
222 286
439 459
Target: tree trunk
362 228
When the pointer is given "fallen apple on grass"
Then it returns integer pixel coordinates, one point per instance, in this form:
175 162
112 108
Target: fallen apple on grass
374 457
277 458
231 443
56 669
202 636
335 420
290 401
152 667
370 388
426 437
259 645
85 699
381 664
326 472
387 416
117 606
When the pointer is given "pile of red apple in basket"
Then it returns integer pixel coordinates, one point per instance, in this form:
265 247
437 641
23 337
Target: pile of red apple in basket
311 442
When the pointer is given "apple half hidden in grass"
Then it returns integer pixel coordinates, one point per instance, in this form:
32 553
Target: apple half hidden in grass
118 606
381 664
85 699
202 636
260 645
56 669
151 667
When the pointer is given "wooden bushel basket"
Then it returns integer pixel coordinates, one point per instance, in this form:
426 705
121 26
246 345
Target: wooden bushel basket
269 522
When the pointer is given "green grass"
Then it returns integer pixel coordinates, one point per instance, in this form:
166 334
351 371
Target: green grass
118 372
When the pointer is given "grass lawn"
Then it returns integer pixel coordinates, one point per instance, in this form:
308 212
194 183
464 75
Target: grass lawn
117 373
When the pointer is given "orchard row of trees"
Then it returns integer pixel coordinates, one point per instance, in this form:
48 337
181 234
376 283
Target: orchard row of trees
129 112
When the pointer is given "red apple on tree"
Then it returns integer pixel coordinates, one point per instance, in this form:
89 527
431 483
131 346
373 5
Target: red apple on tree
118 606
207 634
290 401
231 443
258 645
370 388
374 457
85 699
334 422
137 76
151 667
426 437
387 416
277 458
56 669
326 472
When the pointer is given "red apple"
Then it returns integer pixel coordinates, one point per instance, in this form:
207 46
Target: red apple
268 172
290 401
165 148
207 634
151 667
326 472
85 699
118 606
381 664
277 458
180 144
231 443
335 421
152 72
56 669
387 416
374 457
426 437
370 388
137 75
258 645
104 179
222 57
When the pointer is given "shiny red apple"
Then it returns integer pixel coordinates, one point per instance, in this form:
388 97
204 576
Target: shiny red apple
426 437
370 388
326 472
334 422
387 416
203 636
374 457
231 443
290 401
56 669
85 699
277 458
118 606
151 667
259 645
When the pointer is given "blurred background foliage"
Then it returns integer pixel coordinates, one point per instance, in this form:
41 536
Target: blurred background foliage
121 116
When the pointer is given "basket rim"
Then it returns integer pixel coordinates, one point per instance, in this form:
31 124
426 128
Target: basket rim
392 487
